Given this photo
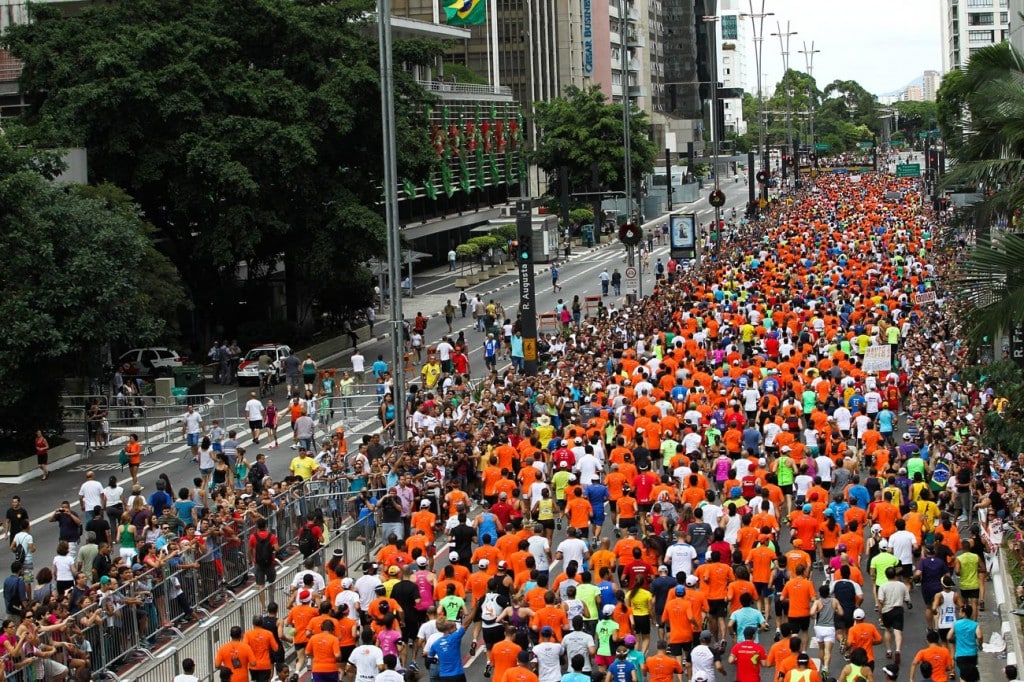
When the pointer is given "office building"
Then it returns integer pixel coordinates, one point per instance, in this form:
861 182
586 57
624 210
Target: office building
969 25
930 85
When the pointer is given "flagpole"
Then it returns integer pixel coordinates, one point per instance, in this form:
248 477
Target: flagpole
437 14
487 31
493 12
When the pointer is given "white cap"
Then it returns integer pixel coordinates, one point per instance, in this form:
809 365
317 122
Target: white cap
607 609
883 544
421 561
876 528
453 556
858 614
347 583
691 580
483 563
424 504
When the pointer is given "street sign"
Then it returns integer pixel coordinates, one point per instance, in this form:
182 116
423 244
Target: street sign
908 170
630 273
529 349
822 147
717 198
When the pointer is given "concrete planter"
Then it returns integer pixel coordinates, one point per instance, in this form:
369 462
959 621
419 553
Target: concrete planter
473 279
461 282
484 275
496 270
13 469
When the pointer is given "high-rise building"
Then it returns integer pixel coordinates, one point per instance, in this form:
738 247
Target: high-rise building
912 94
732 64
930 84
969 25
689 51
1016 9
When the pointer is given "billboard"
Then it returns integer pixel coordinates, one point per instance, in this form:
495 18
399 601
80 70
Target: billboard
683 236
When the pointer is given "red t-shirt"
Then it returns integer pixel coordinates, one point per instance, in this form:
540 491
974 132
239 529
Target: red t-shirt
748 661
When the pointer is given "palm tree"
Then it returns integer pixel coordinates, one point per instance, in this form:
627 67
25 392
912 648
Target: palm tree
987 153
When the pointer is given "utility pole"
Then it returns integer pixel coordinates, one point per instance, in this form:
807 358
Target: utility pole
628 170
712 38
394 234
757 24
809 63
784 37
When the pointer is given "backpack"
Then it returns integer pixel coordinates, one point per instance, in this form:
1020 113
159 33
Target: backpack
255 476
307 541
19 550
264 549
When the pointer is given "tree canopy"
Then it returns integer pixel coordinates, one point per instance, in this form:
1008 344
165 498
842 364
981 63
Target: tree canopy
77 269
247 131
582 129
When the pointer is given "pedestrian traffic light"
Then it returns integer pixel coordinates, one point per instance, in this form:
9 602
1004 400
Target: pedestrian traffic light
524 251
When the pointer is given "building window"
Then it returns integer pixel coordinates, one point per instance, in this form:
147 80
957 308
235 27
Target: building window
980 19
730 30
1004 17
979 3
976 37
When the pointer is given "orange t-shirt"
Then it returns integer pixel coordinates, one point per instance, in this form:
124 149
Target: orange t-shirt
627 507
578 510
325 650
865 636
800 593
717 577
503 657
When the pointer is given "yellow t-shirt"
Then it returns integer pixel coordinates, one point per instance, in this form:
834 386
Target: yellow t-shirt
303 466
431 373
640 602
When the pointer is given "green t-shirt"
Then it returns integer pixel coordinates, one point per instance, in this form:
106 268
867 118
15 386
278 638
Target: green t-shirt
561 480
606 629
892 334
915 465
453 605
589 594
882 561
969 579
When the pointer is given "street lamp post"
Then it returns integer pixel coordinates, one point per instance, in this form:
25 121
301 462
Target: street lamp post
712 34
757 24
387 112
809 62
628 157
784 37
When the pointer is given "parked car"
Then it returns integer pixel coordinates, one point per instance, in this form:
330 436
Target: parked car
249 367
149 362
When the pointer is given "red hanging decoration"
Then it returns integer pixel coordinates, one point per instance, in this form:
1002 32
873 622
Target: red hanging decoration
471 135
485 130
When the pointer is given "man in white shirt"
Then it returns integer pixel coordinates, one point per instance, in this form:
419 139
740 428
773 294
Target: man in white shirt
572 549
366 585
188 669
254 413
192 430
548 653
843 419
540 548
588 467
367 660
307 569
90 495
681 555
903 543
359 367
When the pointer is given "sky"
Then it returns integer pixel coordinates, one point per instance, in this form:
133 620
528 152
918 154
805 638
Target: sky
881 44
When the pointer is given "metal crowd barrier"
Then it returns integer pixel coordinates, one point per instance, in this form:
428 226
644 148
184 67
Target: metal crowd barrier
124 629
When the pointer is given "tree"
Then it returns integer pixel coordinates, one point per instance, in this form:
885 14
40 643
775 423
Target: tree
582 130
75 267
915 117
247 130
949 105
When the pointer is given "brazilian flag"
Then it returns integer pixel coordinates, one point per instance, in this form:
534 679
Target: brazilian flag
465 12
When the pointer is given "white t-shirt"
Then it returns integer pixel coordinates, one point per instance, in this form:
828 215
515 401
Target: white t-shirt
549 667
186 678
351 599
702 660
902 544
114 495
92 494
358 363
540 549
254 410
318 580
426 631
843 418
64 568
824 466
389 676
681 556
588 466
193 422
366 659
572 549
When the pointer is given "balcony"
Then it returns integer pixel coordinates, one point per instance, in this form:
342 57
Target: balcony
635 39
469 91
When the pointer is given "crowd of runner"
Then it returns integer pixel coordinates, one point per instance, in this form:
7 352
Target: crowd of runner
736 461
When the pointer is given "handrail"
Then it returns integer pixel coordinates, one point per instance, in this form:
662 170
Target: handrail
466 88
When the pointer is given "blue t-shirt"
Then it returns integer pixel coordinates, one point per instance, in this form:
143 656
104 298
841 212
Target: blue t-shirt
448 650
747 617
966 643
597 495
860 496
576 677
607 593
620 670
885 421
184 509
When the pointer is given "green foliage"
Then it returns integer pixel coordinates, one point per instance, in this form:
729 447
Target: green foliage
73 268
506 233
581 216
463 74
915 117
1001 431
991 282
949 104
583 129
467 251
246 130
484 242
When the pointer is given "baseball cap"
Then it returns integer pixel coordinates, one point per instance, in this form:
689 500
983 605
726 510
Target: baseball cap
663 569
691 580
563 464
105 580
806 509
858 614
841 547
798 542
680 590
136 567
305 596
347 583
629 640
705 636
502 565
876 528
883 544
523 657
453 556
424 504
607 610
546 631
393 570
421 561
483 563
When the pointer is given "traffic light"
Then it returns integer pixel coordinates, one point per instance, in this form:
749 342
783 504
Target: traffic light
524 251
